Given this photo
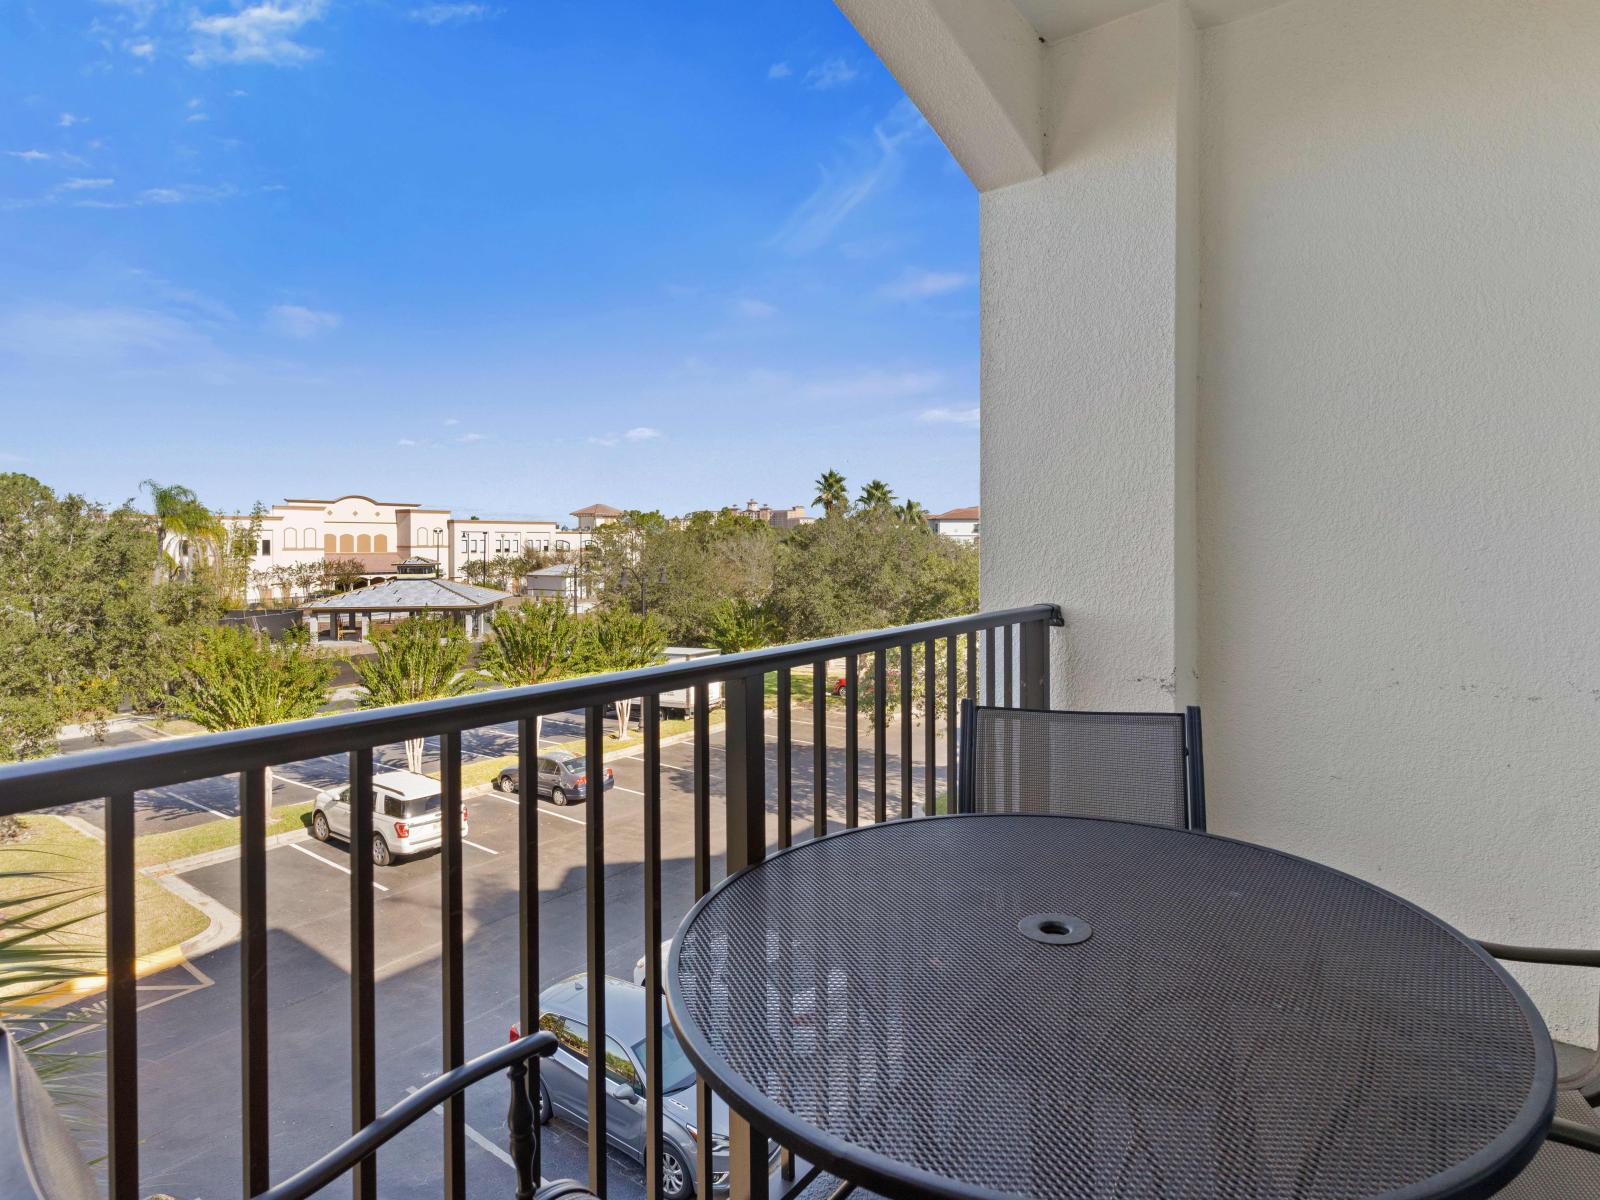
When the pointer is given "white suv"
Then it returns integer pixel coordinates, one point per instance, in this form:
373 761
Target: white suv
407 815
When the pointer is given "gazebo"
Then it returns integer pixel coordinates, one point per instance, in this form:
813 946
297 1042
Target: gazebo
351 614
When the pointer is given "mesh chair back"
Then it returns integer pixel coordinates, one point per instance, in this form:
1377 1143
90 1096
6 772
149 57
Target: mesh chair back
1122 766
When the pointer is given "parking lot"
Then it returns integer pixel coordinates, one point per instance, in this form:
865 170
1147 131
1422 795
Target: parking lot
190 1021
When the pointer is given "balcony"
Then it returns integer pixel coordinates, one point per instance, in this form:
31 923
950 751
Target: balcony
315 1018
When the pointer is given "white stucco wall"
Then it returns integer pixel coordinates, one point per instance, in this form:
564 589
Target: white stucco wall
1398 448
1081 391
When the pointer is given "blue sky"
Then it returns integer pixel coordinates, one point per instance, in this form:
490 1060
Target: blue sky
511 256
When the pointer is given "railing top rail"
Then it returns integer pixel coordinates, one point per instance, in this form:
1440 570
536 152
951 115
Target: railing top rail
47 782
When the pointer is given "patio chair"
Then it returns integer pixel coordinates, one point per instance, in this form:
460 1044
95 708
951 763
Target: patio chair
1568 1164
1144 767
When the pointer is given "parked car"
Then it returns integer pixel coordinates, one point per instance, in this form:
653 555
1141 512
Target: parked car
407 815
563 778
564 1082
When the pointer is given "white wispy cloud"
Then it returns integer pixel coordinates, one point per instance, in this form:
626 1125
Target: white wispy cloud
779 70
100 334
67 120
870 166
298 321
604 439
471 437
749 306
452 420
78 185
642 433
143 48
187 193
198 116
406 442
949 416
919 285
264 32
30 155
447 14
830 73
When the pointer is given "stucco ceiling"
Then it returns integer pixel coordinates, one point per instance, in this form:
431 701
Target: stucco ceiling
1062 18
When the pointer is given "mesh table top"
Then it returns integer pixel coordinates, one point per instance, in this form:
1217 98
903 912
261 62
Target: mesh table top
1239 1023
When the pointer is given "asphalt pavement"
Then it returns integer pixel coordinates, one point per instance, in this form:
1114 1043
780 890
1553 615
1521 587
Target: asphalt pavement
189 1021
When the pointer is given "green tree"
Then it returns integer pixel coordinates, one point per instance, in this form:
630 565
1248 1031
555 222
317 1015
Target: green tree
235 678
342 574
832 494
534 643
179 512
735 625
421 658
912 513
620 640
877 495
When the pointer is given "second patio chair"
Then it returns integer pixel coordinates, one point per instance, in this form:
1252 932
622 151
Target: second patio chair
1144 767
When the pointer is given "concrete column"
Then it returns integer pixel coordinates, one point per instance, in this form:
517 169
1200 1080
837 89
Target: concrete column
1089 374
366 627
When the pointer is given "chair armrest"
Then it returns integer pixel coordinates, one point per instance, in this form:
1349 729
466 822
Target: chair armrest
1543 954
365 1141
1575 1133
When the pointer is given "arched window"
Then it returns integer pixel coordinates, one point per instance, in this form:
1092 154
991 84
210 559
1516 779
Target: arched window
363 544
330 544
380 543
309 539
291 539
347 544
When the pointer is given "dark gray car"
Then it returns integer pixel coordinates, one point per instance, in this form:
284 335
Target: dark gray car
564 1081
563 778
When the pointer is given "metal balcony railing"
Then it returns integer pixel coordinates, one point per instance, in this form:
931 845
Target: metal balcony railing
1012 661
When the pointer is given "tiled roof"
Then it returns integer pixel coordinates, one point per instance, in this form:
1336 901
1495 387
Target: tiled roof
597 510
409 595
957 514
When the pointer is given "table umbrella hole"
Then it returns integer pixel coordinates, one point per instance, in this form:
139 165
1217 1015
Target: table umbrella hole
1055 929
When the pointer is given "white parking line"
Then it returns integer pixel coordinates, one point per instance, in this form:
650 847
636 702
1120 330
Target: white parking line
543 812
475 846
331 863
476 1137
617 787
201 807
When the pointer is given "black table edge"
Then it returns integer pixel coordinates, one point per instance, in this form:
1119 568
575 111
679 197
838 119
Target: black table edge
1477 1178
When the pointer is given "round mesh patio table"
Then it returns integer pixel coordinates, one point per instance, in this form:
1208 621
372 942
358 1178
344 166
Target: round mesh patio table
1028 1005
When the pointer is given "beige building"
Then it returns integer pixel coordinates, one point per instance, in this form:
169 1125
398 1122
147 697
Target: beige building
379 534
780 518
959 524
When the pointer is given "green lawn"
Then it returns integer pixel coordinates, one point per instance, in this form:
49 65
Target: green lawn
51 856
167 847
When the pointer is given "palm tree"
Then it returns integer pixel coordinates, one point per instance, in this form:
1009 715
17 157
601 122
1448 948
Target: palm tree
422 658
236 678
178 511
535 643
876 495
912 513
832 494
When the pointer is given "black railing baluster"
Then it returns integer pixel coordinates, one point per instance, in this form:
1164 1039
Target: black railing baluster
653 982
1033 665
952 707
852 744
930 727
819 749
528 901
785 761
253 977
988 667
363 968
122 1005
594 794
1010 700
747 845
972 666
702 885
880 736
907 676
452 965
